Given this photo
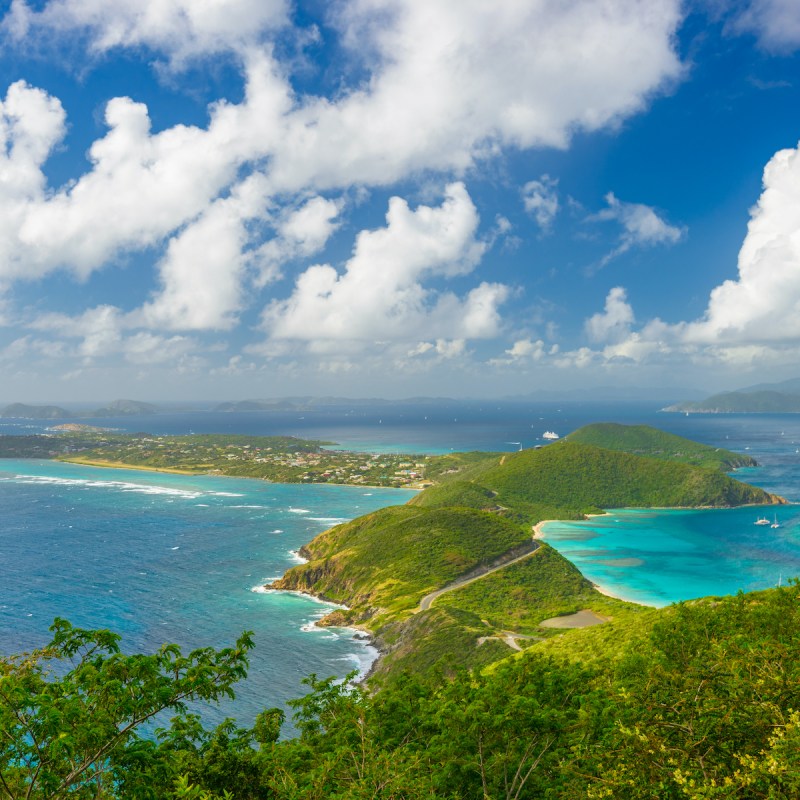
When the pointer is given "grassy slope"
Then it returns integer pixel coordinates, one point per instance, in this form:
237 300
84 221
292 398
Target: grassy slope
643 440
526 593
514 599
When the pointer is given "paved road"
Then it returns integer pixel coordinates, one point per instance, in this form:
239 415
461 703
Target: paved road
427 601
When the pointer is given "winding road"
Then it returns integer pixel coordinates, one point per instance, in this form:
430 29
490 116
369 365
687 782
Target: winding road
474 575
581 619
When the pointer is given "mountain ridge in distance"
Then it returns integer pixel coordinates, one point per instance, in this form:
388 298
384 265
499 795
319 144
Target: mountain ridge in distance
763 398
117 408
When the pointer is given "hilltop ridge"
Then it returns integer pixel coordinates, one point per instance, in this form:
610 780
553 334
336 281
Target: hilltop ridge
642 440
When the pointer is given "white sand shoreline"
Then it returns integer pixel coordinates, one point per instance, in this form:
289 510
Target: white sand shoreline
538 533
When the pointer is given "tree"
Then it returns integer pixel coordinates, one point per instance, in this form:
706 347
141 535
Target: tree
70 713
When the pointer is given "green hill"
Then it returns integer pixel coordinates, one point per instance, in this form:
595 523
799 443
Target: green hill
588 478
385 562
569 478
642 440
478 520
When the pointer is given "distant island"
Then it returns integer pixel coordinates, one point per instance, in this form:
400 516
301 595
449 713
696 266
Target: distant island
765 402
311 403
23 411
765 398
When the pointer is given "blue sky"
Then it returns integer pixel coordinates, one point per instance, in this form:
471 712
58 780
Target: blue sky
257 198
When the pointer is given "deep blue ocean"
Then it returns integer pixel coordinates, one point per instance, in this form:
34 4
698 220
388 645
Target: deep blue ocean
162 558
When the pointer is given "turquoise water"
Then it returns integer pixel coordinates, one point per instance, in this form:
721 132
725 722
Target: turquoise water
169 558
661 557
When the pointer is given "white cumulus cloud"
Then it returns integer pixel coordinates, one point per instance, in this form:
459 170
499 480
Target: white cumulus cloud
614 323
300 233
203 270
776 23
180 28
455 80
763 304
142 186
381 295
226 206
751 320
100 333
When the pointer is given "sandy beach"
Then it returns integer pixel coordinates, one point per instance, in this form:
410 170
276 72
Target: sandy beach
538 533
537 528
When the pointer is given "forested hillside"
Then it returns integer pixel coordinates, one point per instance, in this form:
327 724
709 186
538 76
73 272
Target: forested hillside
642 440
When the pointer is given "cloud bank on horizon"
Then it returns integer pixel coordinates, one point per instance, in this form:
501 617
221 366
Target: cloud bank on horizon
391 197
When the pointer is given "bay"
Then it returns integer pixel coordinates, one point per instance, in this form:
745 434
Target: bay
661 557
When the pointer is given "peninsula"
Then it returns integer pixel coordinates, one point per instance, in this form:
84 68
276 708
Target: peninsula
456 573
453 578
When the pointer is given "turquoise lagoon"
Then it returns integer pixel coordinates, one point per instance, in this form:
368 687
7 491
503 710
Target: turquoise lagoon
661 557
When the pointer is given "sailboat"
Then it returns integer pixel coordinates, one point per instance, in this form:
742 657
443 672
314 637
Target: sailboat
762 521
775 524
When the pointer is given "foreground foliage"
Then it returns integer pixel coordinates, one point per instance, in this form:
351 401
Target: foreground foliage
70 713
699 701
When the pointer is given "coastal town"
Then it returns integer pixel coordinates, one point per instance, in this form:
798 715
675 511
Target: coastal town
275 458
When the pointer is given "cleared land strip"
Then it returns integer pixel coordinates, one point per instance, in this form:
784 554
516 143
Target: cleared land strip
510 638
511 557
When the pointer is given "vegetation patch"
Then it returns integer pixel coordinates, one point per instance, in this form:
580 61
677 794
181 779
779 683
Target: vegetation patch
390 559
694 701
